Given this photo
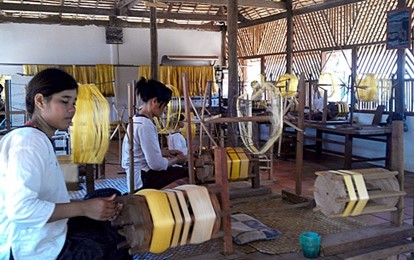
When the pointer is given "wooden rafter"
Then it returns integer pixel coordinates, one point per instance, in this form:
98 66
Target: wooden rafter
247 3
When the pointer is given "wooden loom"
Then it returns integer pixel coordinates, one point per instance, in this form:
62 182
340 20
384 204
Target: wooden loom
138 226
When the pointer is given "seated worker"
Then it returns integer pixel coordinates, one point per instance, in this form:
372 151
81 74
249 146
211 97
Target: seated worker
37 218
152 166
175 140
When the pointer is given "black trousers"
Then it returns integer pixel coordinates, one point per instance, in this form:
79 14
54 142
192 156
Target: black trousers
91 239
159 179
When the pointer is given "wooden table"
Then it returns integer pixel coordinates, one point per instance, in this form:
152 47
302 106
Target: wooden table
350 132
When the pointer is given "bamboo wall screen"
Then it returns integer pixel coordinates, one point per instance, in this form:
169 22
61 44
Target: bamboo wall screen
361 25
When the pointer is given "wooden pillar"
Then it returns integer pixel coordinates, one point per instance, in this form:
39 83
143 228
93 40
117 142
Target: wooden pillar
289 36
300 138
233 68
130 134
221 179
153 43
223 52
352 82
7 87
192 179
397 159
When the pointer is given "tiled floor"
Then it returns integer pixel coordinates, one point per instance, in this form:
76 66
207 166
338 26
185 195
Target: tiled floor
283 178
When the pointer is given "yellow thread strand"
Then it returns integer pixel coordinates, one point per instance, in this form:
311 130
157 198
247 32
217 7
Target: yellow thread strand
236 163
244 170
274 108
187 220
163 220
350 190
361 191
203 212
178 219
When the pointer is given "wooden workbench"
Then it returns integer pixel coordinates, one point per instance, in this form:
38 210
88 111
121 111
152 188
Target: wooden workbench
367 132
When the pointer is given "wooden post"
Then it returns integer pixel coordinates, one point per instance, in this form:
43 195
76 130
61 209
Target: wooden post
130 133
192 179
300 138
8 85
325 110
89 178
289 36
233 68
153 42
221 179
397 160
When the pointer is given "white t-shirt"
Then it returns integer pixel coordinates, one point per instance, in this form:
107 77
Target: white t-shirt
176 141
146 149
31 182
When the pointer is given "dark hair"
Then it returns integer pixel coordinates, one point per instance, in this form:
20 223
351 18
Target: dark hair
181 117
148 89
48 82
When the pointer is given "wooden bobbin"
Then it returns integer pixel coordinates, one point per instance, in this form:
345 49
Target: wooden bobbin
195 209
135 223
350 193
238 161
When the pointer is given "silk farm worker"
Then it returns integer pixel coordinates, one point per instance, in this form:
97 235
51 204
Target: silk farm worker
153 167
37 218
176 140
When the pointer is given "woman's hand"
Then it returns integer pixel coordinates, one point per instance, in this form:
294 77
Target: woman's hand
181 159
171 153
102 208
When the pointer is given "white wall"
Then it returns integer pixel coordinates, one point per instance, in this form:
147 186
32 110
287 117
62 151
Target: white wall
85 45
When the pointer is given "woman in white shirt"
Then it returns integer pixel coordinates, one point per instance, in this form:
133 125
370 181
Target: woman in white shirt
34 201
153 167
175 140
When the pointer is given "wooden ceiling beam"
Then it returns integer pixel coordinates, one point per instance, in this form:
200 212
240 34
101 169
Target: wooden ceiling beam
107 12
127 3
246 3
324 6
304 10
119 23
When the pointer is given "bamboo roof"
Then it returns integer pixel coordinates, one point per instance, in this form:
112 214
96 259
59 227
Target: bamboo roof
190 14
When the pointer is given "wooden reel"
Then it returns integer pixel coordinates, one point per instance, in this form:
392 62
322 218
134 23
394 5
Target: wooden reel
362 191
240 165
195 217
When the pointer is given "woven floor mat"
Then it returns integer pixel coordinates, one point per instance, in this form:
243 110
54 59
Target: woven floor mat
290 221
274 212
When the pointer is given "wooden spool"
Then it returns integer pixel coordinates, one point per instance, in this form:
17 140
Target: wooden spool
136 224
350 193
204 165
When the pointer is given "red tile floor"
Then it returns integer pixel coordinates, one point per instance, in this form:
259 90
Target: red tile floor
283 178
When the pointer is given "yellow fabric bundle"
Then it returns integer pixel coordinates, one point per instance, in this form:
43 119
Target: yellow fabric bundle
102 75
90 135
198 76
104 79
